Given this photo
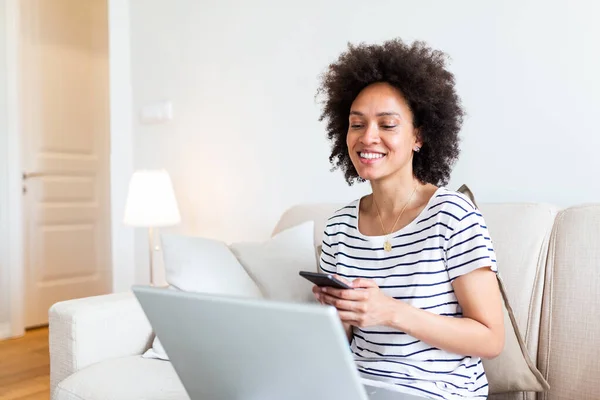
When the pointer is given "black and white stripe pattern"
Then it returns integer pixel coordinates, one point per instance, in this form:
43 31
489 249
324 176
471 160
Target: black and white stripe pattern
448 239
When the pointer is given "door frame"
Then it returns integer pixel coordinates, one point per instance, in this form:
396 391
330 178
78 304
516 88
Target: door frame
15 239
120 153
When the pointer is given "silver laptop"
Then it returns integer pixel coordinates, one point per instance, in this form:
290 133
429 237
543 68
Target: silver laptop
226 348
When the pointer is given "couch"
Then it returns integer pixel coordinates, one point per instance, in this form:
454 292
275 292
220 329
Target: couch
549 260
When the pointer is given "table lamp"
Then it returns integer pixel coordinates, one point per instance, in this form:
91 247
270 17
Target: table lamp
151 204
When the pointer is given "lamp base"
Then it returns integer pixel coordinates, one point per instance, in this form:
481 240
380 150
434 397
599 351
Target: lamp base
151 254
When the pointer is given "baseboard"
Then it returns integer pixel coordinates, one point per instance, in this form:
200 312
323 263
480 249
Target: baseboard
4 330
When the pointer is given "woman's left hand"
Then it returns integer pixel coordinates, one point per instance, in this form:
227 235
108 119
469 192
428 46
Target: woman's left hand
365 305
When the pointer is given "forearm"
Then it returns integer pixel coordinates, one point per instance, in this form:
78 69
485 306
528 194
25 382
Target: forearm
455 335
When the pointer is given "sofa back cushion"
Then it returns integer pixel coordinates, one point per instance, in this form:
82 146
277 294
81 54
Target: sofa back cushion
521 234
570 327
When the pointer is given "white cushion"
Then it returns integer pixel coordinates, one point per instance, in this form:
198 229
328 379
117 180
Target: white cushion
274 264
157 351
196 264
125 378
318 213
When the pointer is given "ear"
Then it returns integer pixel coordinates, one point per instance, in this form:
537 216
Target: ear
418 139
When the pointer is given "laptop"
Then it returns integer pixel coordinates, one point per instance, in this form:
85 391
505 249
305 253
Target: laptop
228 348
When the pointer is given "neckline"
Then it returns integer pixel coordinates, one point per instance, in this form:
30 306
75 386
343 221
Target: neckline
392 234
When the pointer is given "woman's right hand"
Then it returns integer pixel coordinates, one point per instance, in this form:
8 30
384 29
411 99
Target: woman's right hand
318 292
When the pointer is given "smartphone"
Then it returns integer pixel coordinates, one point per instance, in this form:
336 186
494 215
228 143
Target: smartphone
328 280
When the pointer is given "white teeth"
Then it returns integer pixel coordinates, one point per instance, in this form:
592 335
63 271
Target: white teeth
371 155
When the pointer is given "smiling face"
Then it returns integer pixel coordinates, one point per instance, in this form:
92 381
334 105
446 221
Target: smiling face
381 136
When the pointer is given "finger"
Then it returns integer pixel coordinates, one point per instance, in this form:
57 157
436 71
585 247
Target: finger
353 319
316 289
364 283
346 294
348 317
341 304
318 297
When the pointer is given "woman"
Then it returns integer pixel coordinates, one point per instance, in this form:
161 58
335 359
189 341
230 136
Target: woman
426 306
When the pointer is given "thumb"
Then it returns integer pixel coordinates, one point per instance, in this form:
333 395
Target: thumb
344 280
364 283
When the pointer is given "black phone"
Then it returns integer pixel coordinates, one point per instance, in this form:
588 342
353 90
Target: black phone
321 280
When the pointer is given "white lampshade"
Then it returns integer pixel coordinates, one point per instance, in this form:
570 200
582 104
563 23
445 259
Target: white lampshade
151 200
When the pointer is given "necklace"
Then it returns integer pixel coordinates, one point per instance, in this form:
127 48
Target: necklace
387 246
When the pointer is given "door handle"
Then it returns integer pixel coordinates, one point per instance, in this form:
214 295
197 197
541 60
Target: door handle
29 175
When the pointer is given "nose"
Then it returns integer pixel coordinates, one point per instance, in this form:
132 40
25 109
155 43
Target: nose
370 134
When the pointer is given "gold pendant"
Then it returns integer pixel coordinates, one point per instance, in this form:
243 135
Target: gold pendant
387 246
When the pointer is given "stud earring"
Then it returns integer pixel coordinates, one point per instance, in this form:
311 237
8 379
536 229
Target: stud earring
417 148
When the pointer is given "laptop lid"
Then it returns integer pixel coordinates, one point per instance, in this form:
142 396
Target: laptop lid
252 349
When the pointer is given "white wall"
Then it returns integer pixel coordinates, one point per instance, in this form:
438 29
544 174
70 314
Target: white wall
121 149
245 143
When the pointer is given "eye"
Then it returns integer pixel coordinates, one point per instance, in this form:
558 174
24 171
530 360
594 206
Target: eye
356 126
388 123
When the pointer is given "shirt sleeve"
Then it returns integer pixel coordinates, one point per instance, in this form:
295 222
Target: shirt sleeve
327 257
469 246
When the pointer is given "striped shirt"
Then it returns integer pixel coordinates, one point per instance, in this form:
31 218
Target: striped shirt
447 239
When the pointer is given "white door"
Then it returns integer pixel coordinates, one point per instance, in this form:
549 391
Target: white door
65 126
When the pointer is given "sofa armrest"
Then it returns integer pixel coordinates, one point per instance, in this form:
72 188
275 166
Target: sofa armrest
93 329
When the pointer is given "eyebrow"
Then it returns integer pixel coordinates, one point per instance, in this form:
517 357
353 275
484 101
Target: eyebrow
381 114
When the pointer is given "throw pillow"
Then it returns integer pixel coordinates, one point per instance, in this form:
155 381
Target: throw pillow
274 265
268 269
196 264
513 370
464 189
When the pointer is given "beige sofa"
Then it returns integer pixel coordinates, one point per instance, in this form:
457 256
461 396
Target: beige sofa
549 260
